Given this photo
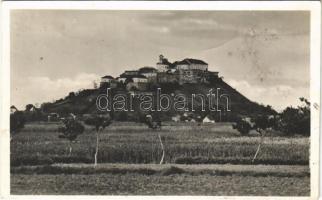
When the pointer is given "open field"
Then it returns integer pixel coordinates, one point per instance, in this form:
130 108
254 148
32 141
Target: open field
210 159
135 143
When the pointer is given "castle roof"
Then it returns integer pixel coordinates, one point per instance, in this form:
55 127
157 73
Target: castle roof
125 76
131 71
147 70
138 76
108 76
189 61
132 76
173 65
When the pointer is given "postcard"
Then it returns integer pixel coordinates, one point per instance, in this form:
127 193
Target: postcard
160 100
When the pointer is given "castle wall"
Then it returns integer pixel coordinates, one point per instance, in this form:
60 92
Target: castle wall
188 76
136 86
162 67
192 67
163 77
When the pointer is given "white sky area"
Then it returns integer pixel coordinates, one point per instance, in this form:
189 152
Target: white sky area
263 54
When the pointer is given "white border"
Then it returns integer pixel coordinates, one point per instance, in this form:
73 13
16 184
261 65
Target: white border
314 7
163 5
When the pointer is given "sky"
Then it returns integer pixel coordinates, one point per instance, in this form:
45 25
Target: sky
263 54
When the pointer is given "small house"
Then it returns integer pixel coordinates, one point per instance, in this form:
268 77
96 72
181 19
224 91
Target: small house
137 82
139 79
207 120
176 118
148 72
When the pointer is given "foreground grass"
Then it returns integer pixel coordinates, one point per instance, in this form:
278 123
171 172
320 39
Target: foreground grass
38 157
151 179
177 184
134 143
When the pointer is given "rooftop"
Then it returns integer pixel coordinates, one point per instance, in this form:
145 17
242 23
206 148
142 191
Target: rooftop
131 76
147 70
108 76
189 61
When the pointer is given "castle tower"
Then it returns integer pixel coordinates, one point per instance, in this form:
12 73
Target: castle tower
163 64
161 57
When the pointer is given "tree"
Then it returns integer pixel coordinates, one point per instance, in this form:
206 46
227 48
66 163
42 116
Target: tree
242 126
296 120
29 107
70 131
45 107
17 122
259 123
155 125
71 95
99 122
262 123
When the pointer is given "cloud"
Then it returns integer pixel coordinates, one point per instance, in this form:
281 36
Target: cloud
275 22
269 52
162 29
42 89
278 96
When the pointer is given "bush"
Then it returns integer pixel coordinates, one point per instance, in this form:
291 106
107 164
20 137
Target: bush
242 126
172 170
17 122
296 120
71 129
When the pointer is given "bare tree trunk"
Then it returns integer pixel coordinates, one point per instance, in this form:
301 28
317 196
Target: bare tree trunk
259 145
70 149
96 151
258 148
163 152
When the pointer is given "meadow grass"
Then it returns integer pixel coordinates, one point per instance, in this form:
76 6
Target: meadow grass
175 184
185 143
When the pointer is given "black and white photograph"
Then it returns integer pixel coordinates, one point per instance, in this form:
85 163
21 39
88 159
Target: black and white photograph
163 102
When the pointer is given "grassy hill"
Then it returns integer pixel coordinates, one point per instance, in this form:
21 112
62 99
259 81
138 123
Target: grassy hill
84 102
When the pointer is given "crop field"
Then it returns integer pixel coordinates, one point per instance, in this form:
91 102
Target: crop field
193 153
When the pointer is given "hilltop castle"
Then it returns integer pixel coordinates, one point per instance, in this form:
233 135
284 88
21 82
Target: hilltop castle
185 71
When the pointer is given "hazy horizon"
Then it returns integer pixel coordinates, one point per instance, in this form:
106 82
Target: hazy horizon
263 54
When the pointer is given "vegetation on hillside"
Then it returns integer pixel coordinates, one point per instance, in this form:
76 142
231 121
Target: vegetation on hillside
84 102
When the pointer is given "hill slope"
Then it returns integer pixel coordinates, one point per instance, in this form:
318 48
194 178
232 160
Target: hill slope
84 102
